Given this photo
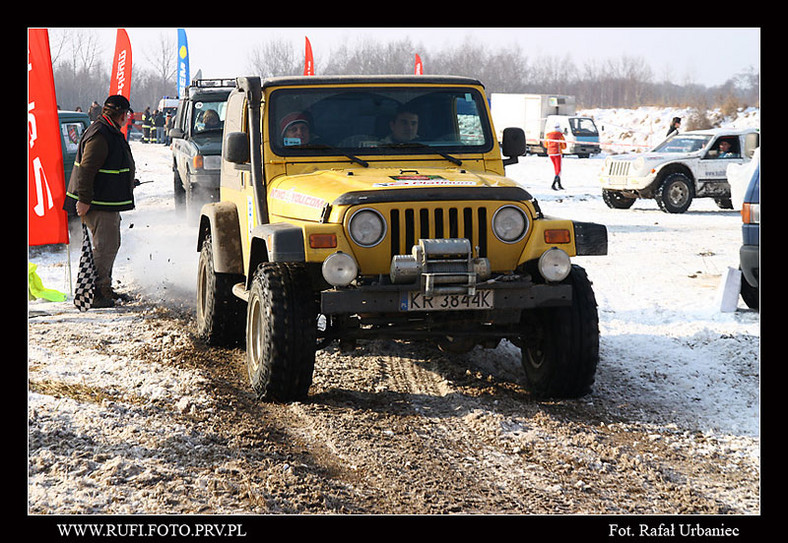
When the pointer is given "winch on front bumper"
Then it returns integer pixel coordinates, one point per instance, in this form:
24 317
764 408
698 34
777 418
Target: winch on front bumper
443 275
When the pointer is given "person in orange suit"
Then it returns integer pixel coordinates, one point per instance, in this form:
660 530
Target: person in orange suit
555 144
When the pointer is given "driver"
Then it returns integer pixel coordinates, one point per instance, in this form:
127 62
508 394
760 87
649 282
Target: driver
295 129
210 120
725 150
404 127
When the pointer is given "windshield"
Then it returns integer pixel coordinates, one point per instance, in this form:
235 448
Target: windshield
583 126
403 120
208 116
683 144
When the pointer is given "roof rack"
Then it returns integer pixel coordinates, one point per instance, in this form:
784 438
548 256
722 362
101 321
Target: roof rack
204 83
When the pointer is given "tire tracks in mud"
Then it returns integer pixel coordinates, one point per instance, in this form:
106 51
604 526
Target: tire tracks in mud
390 428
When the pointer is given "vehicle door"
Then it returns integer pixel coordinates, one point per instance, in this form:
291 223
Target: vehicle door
71 129
181 126
714 163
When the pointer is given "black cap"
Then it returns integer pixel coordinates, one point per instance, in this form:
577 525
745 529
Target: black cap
117 102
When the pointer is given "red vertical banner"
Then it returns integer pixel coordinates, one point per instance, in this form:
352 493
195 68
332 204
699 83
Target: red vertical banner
309 61
120 82
47 221
418 67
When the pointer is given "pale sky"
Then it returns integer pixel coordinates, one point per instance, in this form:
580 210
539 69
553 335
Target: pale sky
703 55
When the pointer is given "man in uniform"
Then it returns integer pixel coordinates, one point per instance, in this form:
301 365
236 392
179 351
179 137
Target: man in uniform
101 186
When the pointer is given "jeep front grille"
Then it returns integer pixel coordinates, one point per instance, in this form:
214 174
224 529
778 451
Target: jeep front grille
411 224
618 168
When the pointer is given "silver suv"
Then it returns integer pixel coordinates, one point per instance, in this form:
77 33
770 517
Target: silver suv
685 166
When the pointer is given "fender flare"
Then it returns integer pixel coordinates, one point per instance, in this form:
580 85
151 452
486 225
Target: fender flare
277 242
220 221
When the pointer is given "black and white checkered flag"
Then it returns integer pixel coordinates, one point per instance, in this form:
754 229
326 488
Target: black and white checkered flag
86 277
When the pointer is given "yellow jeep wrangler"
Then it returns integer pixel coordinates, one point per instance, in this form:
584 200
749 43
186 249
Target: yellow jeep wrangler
377 207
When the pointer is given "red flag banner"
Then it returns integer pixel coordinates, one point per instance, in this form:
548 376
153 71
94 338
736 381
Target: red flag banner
418 68
309 61
47 221
121 69
121 66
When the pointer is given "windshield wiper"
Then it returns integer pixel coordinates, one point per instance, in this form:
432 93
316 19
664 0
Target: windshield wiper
418 145
334 149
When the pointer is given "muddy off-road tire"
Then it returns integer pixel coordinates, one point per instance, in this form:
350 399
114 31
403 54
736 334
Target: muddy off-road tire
560 345
281 332
220 314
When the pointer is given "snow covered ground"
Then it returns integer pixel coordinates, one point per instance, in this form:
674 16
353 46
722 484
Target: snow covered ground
662 332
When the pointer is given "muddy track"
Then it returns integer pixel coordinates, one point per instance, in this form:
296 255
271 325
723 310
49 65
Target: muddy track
390 428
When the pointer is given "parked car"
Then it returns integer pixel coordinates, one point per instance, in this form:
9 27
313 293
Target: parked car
749 254
72 125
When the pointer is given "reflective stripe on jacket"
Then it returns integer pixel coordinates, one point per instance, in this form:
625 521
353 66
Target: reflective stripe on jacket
110 186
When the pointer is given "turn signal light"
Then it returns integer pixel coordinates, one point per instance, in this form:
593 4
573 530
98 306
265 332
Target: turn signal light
557 236
322 241
751 213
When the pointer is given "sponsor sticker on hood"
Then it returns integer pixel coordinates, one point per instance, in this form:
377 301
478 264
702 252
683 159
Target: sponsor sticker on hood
416 180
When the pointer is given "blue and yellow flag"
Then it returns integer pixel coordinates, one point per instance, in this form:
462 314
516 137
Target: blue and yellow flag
183 63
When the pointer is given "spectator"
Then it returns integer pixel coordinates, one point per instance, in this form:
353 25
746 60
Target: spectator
94 111
675 124
147 121
555 144
158 126
101 186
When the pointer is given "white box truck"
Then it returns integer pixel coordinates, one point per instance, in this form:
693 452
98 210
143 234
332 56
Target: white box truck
538 114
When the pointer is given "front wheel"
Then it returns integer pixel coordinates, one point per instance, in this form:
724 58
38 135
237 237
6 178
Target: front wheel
560 345
616 200
220 313
178 191
675 193
749 294
281 332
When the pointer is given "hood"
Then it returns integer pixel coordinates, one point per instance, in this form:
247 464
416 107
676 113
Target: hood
209 143
307 195
653 157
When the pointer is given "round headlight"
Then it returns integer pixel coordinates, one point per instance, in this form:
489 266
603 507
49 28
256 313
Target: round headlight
339 269
510 224
367 227
554 264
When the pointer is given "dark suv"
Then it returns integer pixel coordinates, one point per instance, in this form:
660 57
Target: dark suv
197 142
749 254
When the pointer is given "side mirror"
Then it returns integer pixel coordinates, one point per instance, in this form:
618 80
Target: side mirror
235 148
176 133
513 145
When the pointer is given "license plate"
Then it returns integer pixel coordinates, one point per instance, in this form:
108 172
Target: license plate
416 301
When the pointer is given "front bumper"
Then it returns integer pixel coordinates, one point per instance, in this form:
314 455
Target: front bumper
205 179
749 258
585 149
506 295
626 183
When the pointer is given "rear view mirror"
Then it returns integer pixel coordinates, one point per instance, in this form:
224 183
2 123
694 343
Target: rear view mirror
235 148
513 145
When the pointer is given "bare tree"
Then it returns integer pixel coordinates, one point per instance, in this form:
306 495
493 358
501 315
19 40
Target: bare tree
81 76
163 58
275 57
368 57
